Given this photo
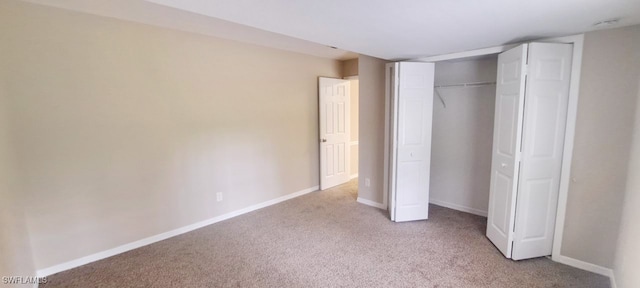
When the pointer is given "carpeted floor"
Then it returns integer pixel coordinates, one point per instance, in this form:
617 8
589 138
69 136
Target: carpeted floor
326 239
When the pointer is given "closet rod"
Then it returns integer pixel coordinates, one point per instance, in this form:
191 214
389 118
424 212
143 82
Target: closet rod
472 84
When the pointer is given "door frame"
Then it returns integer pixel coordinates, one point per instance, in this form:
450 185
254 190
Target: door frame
351 141
572 109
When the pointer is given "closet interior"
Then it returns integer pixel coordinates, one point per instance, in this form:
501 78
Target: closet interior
463 115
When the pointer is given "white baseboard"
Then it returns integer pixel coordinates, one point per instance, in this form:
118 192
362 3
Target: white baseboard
371 203
458 207
354 176
585 266
149 240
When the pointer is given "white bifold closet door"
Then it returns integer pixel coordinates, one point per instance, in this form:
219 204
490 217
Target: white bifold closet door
529 128
411 114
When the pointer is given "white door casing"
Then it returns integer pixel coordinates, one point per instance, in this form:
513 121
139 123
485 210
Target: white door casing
411 140
334 96
505 164
545 114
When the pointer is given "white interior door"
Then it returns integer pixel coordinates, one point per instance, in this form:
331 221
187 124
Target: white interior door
505 164
545 114
411 141
334 116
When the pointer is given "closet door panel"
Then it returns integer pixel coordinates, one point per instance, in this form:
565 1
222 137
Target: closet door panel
545 116
413 140
507 134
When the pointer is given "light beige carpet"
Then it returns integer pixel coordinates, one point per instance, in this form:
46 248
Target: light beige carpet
326 239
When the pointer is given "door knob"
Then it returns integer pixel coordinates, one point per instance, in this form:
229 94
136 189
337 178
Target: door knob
503 165
323 140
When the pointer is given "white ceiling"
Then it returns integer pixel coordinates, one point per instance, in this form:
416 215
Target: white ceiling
416 28
387 29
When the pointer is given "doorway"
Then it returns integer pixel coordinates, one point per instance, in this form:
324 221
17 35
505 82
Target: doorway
525 141
567 149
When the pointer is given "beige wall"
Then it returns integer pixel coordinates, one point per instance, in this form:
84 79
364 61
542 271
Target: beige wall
15 250
371 129
606 108
125 131
627 258
350 67
463 135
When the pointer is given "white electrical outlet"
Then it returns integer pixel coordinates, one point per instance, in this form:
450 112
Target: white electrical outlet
219 196
367 182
